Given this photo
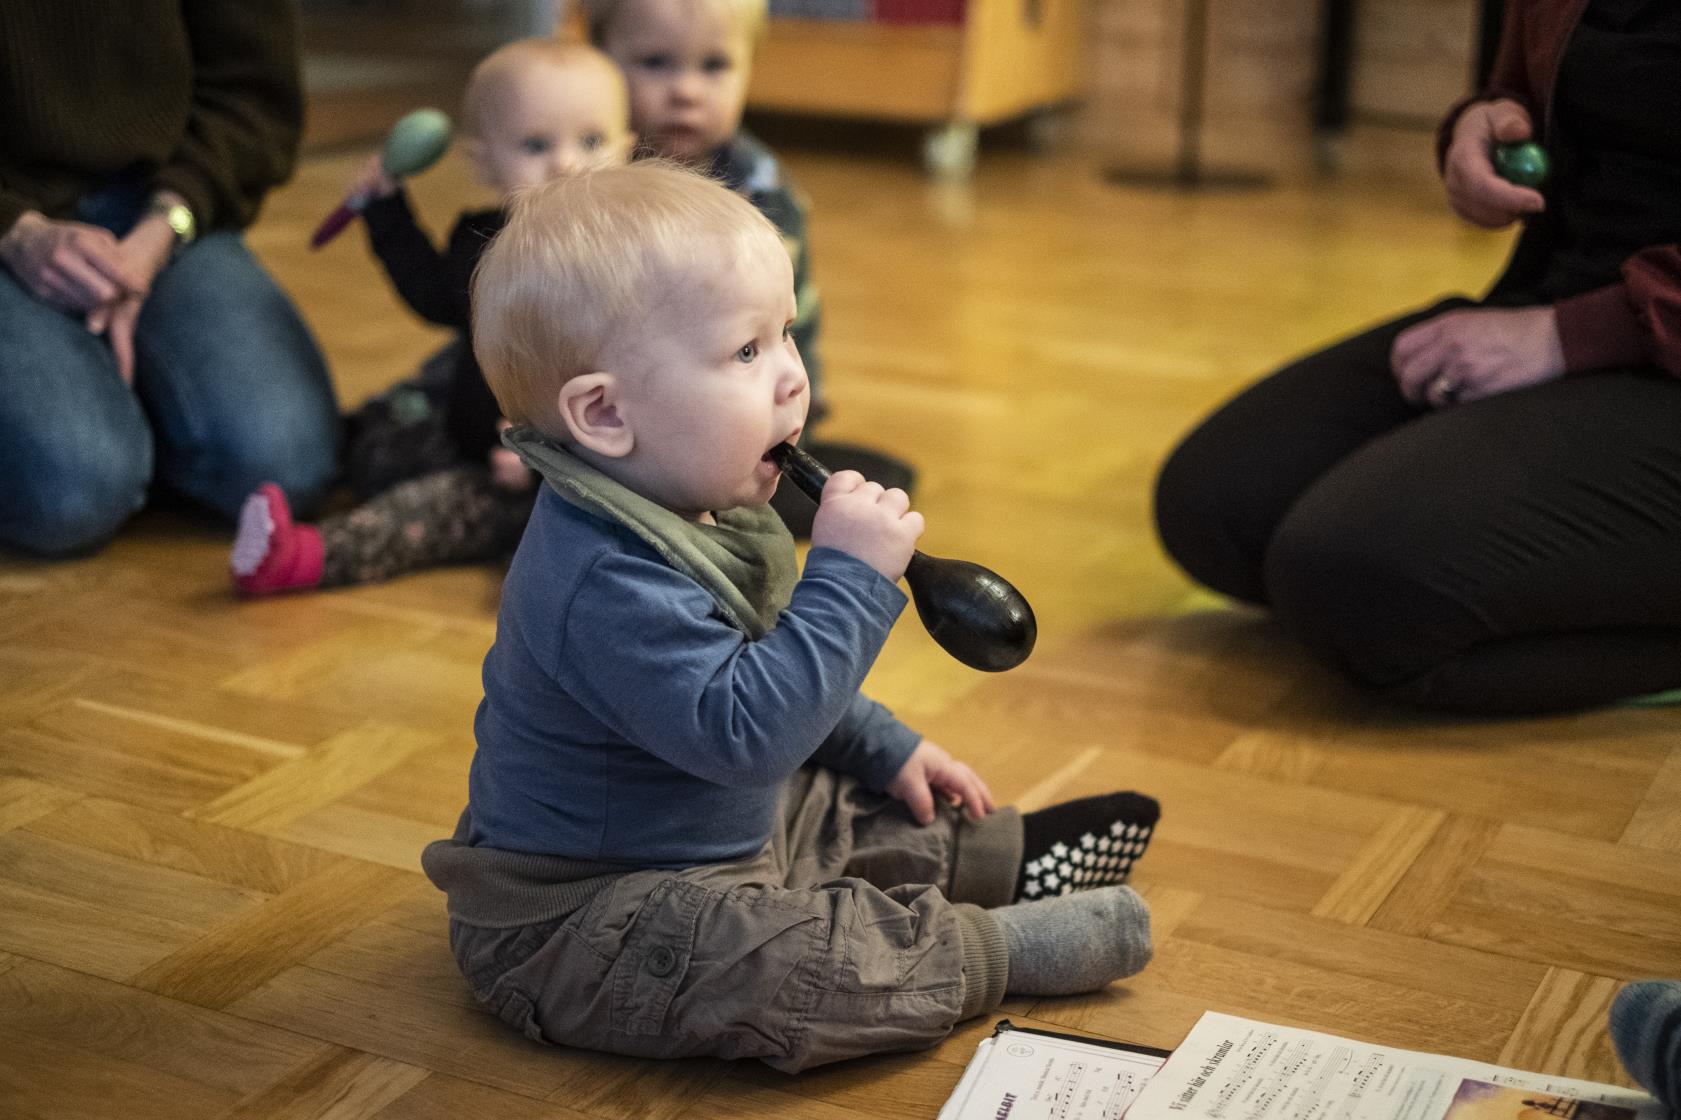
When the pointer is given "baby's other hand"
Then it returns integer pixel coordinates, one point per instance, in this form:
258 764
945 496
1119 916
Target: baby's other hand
507 469
930 772
371 181
863 520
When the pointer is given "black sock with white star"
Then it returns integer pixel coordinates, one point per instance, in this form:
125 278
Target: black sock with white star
1077 845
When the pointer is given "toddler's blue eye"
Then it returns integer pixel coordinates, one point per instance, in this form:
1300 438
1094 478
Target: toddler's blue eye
788 331
747 353
655 62
717 64
534 145
591 141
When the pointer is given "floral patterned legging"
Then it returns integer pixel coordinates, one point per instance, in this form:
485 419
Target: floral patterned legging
419 504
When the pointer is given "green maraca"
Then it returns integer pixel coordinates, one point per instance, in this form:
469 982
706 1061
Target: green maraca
416 142
1524 164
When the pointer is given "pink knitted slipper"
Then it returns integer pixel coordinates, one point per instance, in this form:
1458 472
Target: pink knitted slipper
270 553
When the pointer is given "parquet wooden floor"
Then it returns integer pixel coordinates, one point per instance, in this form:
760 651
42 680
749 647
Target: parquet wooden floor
211 810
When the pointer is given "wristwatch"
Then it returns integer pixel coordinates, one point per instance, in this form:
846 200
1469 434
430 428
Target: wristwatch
180 218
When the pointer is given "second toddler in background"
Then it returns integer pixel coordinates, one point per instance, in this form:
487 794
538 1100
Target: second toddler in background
424 461
687 63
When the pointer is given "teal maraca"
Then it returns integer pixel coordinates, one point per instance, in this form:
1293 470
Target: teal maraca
1524 164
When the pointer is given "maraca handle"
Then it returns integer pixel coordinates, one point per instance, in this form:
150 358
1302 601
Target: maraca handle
801 469
337 220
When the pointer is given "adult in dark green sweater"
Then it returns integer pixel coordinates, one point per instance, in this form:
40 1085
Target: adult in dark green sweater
140 341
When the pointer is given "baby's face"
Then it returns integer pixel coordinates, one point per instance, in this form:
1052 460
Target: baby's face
687 66
712 382
551 120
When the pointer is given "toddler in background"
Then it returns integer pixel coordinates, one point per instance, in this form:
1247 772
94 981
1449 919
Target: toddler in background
424 460
687 63
688 832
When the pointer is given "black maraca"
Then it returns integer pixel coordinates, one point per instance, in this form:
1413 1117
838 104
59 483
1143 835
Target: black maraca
971 611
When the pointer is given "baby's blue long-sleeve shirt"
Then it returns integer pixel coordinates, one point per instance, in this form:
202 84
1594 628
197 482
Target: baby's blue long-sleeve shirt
625 720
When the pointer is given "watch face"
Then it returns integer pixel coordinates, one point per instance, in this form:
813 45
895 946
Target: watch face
180 220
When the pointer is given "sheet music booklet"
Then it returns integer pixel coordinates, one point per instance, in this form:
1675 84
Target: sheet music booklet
1239 1069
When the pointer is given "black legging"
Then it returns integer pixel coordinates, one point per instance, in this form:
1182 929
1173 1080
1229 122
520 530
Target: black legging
1513 555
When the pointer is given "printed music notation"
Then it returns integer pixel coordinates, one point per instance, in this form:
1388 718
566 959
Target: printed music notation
1025 1074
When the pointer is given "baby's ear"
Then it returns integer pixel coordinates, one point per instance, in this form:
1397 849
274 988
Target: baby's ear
589 408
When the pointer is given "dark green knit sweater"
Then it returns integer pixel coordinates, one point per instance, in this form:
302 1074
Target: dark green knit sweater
202 97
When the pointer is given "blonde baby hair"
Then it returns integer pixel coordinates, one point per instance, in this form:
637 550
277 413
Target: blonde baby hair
750 15
490 78
585 257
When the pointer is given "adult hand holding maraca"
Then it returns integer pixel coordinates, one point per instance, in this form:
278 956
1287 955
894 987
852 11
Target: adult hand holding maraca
1475 188
416 142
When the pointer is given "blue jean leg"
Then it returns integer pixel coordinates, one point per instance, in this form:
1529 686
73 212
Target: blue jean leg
235 385
75 447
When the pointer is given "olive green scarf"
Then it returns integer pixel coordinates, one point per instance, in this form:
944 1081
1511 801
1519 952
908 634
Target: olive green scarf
746 560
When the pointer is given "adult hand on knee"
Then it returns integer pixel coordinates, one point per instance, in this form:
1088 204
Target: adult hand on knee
70 265
1474 353
144 250
1475 191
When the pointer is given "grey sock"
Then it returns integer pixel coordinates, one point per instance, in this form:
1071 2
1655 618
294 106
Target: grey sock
1646 1027
1076 943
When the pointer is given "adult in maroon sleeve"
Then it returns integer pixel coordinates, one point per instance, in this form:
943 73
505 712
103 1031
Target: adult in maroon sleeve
1476 507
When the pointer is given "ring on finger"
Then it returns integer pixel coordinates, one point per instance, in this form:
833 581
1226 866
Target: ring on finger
1442 389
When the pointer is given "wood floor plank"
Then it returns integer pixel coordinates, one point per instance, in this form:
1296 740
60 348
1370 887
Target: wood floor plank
1170 906
1563 1029
1454 848
44 1080
259 942
1297 994
1657 821
1621 925
23 800
1583 775
227 855
394 671
38 679
100 913
441 1097
91 752
1332 946
330 771
1380 865
74 1011
398 1022
615 1088
364 834
738 1101
338 1084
